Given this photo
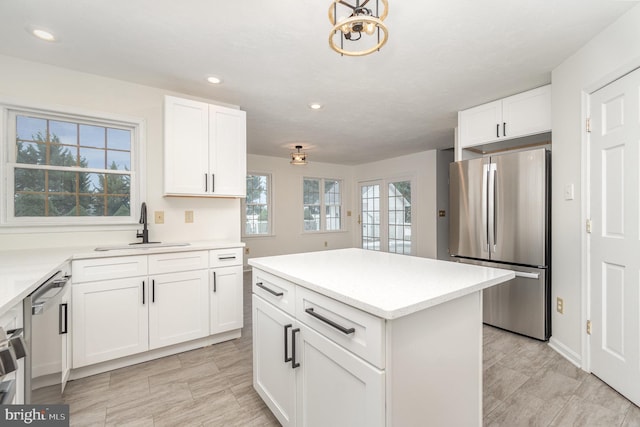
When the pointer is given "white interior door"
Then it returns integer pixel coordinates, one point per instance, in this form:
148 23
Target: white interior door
615 240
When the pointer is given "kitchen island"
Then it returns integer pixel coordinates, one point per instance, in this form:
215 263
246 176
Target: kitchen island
353 337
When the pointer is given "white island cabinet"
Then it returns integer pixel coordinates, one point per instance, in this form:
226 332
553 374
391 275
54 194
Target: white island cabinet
354 337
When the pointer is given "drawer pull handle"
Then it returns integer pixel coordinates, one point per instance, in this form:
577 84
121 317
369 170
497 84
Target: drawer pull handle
294 364
286 343
215 283
223 258
329 322
271 291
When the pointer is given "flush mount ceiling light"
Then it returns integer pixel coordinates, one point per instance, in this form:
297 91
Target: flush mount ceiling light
362 32
315 106
43 34
214 80
298 158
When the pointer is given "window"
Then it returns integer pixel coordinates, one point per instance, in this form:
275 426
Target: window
385 218
322 204
257 207
65 169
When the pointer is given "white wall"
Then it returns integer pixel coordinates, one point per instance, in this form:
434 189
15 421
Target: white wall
612 53
422 167
40 83
287 207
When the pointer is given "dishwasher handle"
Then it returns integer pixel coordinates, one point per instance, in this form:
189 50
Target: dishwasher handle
527 275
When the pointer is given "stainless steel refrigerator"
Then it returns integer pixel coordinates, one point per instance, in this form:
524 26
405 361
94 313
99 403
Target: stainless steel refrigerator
500 217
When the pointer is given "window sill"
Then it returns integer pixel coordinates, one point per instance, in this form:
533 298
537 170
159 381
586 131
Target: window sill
308 233
257 236
62 228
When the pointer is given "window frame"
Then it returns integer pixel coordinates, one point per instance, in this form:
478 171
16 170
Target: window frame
8 113
270 209
323 219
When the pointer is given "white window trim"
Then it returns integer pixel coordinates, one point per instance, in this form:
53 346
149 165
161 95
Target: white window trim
270 207
10 224
323 219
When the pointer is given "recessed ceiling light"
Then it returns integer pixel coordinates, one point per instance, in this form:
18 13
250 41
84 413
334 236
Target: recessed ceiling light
214 80
43 35
315 106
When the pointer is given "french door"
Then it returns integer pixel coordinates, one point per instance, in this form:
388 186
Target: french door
386 216
614 242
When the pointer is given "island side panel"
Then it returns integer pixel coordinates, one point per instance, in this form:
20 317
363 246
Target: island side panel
434 365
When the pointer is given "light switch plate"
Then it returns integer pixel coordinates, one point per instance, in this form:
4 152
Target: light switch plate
569 192
158 217
188 217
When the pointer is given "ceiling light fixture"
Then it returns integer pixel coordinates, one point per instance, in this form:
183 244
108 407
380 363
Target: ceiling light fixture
43 35
361 22
315 106
298 158
214 80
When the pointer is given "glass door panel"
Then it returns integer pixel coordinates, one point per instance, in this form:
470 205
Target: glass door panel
370 216
399 217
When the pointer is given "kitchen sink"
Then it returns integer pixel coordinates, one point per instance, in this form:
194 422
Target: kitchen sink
140 246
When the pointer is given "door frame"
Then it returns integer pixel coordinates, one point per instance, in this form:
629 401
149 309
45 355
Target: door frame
585 161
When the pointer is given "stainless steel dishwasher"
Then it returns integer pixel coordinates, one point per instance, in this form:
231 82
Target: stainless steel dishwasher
46 323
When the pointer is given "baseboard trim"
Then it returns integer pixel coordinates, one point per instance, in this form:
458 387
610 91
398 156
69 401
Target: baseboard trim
566 352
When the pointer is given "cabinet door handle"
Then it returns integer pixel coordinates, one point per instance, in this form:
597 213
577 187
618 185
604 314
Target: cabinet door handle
62 319
143 292
224 258
271 291
206 183
213 182
286 343
498 130
153 291
504 128
294 364
215 288
346 331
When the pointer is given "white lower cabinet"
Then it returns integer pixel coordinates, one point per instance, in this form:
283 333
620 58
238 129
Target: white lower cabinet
127 305
110 320
178 308
226 299
308 380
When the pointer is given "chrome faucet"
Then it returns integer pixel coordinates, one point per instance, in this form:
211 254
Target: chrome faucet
143 220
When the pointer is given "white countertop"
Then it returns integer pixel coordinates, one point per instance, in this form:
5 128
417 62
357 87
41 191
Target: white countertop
383 284
22 271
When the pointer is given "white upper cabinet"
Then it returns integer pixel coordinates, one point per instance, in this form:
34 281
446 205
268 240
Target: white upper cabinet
204 149
524 114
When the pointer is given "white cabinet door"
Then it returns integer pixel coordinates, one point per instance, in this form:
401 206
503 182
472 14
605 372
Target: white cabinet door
480 124
109 320
273 376
527 113
334 387
65 333
186 147
226 299
178 308
228 152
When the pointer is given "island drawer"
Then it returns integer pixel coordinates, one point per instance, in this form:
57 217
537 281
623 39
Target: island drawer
225 257
89 270
178 261
277 291
357 331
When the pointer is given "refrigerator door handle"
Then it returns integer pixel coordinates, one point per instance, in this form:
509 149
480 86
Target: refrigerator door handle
492 206
524 275
485 224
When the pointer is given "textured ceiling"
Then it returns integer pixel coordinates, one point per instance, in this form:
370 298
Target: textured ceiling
442 56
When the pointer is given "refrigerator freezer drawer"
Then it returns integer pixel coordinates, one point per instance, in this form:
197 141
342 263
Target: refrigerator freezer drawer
519 305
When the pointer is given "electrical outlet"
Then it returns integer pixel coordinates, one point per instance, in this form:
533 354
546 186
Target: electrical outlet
188 217
560 305
246 251
158 217
348 213
326 244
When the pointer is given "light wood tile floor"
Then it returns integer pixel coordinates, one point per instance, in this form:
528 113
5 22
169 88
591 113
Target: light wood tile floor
525 383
